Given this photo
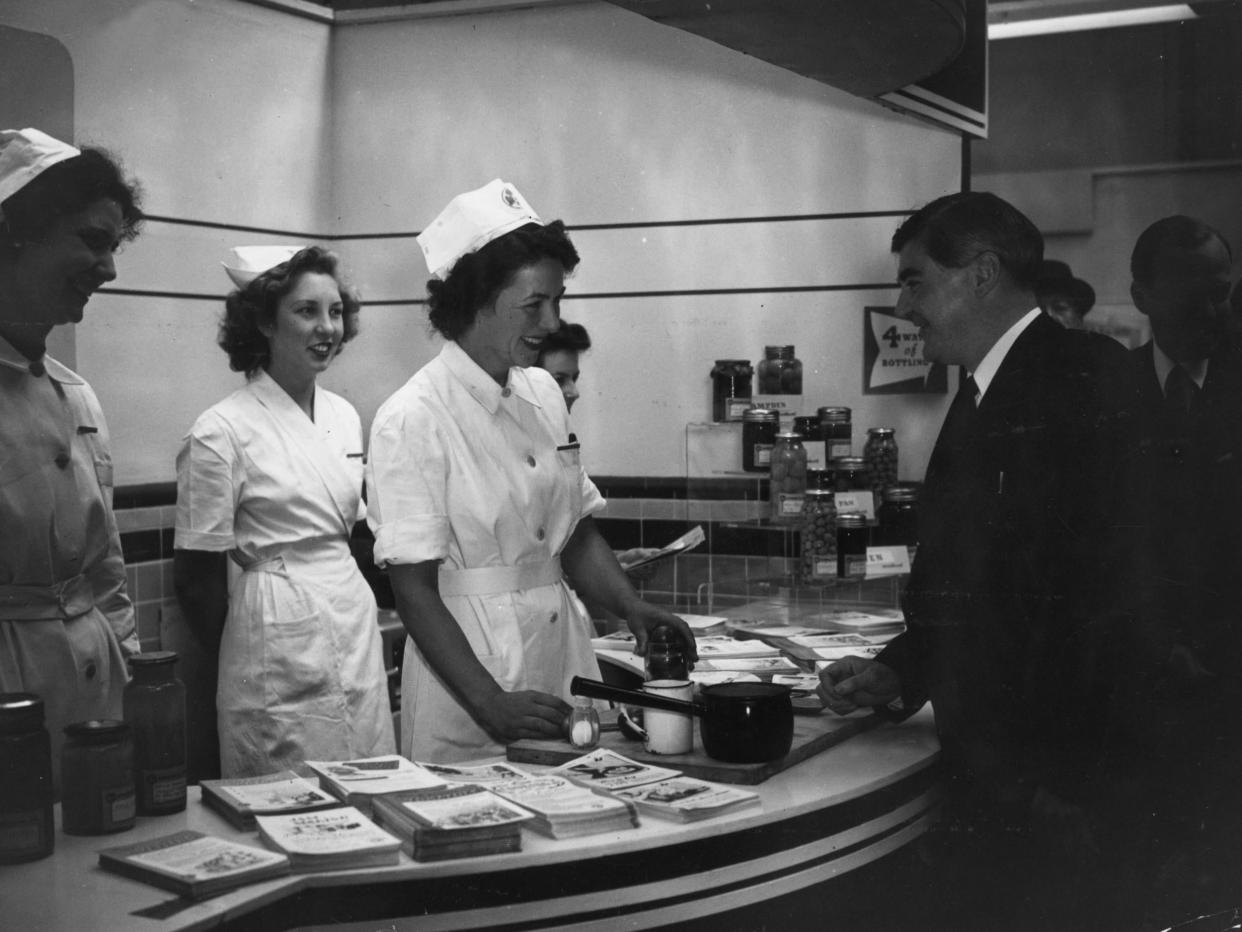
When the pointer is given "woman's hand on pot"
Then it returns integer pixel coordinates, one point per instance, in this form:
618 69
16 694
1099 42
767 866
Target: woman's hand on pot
508 716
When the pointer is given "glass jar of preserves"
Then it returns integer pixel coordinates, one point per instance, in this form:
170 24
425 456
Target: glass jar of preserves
899 518
850 474
819 537
838 432
583 724
812 440
27 830
780 372
731 389
880 455
852 534
788 479
154 703
823 479
97 778
759 427
666 655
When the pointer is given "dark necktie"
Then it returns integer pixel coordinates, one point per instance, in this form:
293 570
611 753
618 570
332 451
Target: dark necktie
956 430
1180 392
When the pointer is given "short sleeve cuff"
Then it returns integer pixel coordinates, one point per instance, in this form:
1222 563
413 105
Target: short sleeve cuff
213 542
412 540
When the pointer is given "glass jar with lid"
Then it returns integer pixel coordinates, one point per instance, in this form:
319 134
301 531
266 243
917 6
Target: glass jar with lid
880 455
780 371
838 430
583 725
852 535
666 655
26 795
154 704
850 474
819 537
731 389
97 778
788 478
759 426
812 440
899 518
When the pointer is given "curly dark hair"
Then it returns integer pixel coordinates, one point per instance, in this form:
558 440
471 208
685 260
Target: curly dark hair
571 338
479 276
246 308
68 187
957 227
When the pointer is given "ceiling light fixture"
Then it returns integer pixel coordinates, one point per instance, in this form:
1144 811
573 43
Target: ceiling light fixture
1108 19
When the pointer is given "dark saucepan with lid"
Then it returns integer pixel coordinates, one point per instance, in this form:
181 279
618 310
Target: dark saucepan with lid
740 723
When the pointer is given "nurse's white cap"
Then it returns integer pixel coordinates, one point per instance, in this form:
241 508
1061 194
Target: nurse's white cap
25 154
246 263
471 221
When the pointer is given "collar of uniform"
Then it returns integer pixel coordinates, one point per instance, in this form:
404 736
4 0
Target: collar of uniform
481 385
267 389
12 359
991 362
1164 365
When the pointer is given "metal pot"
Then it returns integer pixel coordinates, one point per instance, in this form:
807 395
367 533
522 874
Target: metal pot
740 723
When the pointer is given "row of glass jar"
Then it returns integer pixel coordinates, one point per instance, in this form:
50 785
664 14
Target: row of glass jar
834 546
111 770
780 373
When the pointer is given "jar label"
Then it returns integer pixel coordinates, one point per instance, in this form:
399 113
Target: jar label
854 566
735 408
859 502
162 787
822 569
789 505
24 832
763 454
839 448
814 454
120 805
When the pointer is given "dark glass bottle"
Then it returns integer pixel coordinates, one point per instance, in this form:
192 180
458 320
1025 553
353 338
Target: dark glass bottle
27 830
97 778
154 702
852 534
759 427
666 655
812 432
731 389
838 429
899 518
851 474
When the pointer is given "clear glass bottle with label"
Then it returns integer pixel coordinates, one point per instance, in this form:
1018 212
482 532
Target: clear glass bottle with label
838 430
154 703
880 455
788 479
819 537
759 426
852 536
780 371
731 389
97 778
27 831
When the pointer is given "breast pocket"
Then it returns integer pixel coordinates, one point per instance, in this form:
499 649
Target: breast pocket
101 458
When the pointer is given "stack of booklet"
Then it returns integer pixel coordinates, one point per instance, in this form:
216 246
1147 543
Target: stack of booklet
240 799
563 809
329 840
193 864
462 820
358 782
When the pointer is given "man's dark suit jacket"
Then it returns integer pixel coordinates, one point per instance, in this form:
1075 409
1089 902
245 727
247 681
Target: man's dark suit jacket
1013 568
1192 493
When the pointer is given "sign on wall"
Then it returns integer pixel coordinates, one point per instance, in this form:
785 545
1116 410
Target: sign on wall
893 361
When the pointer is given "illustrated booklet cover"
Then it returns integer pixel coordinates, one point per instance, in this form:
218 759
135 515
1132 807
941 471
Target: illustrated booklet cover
194 864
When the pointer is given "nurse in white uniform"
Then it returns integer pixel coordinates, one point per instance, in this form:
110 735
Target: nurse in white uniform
272 477
481 510
66 623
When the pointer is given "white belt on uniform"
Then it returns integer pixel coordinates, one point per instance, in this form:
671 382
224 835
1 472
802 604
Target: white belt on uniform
490 580
66 599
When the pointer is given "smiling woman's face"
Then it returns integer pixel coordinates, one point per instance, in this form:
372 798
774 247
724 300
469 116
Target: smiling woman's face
510 332
51 280
308 328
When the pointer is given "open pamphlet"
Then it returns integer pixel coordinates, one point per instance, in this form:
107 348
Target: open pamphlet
193 864
330 839
686 542
240 799
358 782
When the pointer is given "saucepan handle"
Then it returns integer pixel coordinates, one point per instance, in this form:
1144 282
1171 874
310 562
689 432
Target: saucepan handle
594 689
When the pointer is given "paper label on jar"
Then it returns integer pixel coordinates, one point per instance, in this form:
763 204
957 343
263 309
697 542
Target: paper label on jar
839 448
120 805
858 502
23 832
822 569
735 408
789 506
854 565
162 787
763 454
814 454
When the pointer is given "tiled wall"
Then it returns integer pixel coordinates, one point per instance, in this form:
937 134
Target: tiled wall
147 541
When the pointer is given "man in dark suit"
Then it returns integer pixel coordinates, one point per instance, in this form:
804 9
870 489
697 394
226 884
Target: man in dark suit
1005 597
1188 390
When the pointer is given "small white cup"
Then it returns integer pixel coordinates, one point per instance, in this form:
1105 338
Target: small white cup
668 732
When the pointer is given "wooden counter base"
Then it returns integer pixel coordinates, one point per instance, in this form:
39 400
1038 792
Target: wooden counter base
820 819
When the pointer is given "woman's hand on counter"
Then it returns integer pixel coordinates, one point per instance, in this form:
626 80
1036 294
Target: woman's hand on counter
856 682
509 716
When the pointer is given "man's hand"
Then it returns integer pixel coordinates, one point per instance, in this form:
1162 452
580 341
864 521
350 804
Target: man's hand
855 682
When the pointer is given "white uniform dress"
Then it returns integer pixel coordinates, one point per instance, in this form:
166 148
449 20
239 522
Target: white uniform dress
301 666
66 623
486 480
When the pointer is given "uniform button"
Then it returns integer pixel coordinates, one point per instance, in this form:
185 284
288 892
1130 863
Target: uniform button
90 670
506 392
62 459
540 534
530 461
554 617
